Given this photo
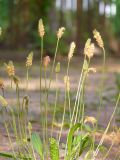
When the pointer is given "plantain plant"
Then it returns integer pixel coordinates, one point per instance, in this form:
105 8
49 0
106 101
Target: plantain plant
80 139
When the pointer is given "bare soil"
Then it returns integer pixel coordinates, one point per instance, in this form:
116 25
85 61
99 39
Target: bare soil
92 96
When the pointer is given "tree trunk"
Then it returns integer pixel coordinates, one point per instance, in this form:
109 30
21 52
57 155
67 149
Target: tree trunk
89 19
62 20
79 26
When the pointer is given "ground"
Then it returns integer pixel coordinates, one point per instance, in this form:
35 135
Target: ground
92 95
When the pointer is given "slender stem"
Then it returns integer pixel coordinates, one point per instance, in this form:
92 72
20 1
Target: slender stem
101 86
27 78
18 110
69 103
78 93
53 65
41 58
106 130
8 134
66 90
56 99
108 150
82 86
79 100
3 93
6 127
11 83
62 119
46 106
14 123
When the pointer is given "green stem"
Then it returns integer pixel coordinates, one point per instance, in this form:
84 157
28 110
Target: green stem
101 86
46 106
66 90
6 127
41 59
106 130
56 99
63 118
78 94
27 79
8 134
53 65
18 110
82 86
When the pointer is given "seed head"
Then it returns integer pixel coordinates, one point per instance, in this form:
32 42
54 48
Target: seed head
3 101
10 68
57 68
41 28
98 38
71 51
29 60
92 70
60 32
89 49
92 49
46 61
90 120
1 83
67 82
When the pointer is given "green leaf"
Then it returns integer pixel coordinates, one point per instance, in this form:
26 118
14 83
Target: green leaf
37 144
7 155
11 155
76 145
70 136
54 149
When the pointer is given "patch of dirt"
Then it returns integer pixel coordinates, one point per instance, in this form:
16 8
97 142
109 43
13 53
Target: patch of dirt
92 94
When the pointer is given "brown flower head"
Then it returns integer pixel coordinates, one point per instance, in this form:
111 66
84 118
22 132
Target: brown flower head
46 61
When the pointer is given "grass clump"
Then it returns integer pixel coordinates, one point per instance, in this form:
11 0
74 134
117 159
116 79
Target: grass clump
80 138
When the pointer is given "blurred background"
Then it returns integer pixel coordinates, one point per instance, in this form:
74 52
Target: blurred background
19 22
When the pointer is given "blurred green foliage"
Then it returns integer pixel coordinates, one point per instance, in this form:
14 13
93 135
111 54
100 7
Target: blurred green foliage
19 21
116 20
